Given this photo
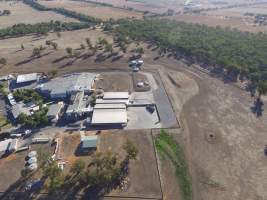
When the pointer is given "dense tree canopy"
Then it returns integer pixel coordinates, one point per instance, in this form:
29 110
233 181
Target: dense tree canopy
40 28
221 48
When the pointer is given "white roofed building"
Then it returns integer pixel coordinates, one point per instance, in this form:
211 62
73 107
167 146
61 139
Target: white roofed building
27 78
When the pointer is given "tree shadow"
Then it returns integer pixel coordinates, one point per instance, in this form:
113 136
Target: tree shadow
59 59
257 107
30 59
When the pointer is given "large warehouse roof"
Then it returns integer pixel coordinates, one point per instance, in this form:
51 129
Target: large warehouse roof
109 116
23 78
69 83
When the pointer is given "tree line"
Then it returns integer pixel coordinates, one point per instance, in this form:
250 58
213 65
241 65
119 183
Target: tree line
41 28
236 53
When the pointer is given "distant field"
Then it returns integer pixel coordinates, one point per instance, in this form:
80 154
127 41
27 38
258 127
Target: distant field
21 13
224 21
157 6
239 12
93 10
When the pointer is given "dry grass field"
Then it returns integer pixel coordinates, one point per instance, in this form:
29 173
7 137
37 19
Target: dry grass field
93 10
21 13
156 6
242 24
19 61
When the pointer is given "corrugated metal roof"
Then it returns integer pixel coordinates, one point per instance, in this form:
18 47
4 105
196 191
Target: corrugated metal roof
116 95
22 78
110 106
89 141
112 101
109 116
66 84
54 109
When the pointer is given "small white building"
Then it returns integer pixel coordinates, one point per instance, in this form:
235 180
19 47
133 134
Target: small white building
27 78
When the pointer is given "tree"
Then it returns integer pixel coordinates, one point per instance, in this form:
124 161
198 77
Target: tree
58 34
109 48
131 149
56 183
54 45
25 172
77 166
140 50
262 88
36 52
48 42
52 73
82 46
52 170
69 51
3 61
88 42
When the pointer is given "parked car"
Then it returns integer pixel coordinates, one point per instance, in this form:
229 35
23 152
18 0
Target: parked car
136 69
140 62
133 63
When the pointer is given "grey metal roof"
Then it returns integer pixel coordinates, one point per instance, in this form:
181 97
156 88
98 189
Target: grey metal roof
69 83
54 109
89 141
22 78
110 106
116 95
20 108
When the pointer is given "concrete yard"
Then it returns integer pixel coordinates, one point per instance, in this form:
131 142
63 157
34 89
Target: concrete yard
140 118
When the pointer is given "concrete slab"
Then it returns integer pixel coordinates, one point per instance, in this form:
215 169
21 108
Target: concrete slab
140 118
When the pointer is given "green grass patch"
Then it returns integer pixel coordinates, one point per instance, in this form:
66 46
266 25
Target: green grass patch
169 149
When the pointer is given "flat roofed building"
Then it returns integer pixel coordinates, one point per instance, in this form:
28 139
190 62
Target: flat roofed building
25 78
109 117
110 106
89 142
79 106
54 111
112 101
116 95
19 108
64 86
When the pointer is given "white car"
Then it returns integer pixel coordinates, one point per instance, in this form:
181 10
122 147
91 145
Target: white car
140 62
133 62
136 69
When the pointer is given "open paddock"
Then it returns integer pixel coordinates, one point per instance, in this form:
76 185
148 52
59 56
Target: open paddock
94 10
233 22
21 13
144 177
